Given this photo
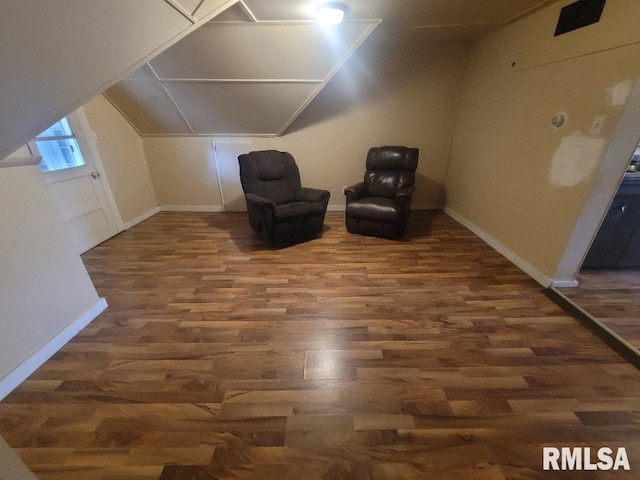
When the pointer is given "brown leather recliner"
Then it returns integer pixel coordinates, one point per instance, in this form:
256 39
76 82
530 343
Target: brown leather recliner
379 206
281 211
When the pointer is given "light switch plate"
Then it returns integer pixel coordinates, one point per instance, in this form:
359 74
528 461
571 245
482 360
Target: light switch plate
597 125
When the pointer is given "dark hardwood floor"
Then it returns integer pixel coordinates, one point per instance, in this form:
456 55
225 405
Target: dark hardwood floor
345 357
613 298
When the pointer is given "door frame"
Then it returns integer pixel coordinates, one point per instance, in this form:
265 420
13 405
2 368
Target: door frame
612 168
220 168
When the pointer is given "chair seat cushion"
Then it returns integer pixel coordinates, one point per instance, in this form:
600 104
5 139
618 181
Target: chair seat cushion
375 208
297 210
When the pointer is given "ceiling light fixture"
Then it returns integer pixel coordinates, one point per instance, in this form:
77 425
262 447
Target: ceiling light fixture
331 13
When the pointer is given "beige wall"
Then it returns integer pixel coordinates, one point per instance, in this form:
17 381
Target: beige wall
123 158
512 175
379 97
12 466
183 171
44 287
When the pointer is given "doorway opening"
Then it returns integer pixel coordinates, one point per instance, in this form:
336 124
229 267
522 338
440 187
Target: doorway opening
600 270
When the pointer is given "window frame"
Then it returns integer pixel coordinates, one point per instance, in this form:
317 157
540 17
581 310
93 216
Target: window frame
54 176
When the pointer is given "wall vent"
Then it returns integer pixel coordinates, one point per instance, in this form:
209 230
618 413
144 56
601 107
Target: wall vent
579 14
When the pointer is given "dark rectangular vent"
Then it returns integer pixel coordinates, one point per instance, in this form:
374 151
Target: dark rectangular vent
579 14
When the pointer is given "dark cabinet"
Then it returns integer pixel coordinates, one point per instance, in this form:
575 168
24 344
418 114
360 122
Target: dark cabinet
630 257
617 244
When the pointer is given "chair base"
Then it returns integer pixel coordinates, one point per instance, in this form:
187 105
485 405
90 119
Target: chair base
288 234
371 228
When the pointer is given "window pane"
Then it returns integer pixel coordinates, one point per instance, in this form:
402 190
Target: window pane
59 154
58 147
59 129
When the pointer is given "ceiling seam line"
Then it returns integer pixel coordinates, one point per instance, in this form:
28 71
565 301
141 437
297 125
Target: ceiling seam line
182 11
248 11
195 10
530 10
238 80
219 135
184 117
106 95
337 66
153 70
239 23
454 25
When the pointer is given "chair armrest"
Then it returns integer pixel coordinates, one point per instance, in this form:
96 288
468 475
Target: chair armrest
356 191
405 192
312 195
258 201
403 196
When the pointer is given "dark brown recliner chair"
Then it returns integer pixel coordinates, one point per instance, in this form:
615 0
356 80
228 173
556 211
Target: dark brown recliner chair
379 206
281 211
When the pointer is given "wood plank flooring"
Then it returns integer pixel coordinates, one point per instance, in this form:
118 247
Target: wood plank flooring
613 298
346 357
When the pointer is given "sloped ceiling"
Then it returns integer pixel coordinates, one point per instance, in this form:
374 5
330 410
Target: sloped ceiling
236 76
254 68
57 55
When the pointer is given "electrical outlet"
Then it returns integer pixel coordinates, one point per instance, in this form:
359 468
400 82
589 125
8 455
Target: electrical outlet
597 125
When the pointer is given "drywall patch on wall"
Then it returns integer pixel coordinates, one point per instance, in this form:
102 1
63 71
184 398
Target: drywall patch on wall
575 160
618 95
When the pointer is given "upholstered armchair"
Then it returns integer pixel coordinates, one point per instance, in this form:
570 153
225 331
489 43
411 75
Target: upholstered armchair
280 210
379 206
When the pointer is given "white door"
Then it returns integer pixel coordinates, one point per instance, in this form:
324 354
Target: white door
226 155
79 188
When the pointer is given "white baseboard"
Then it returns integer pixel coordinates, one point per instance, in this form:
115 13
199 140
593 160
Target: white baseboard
522 264
191 208
22 372
141 218
565 283
172 208
215 209
428 206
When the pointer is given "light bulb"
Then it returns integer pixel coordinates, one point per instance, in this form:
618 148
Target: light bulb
331 13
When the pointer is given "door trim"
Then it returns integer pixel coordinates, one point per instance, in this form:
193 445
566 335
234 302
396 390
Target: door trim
90 140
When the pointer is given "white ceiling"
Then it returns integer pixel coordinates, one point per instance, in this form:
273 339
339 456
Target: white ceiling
255 67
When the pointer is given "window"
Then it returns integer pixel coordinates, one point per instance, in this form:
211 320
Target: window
58 147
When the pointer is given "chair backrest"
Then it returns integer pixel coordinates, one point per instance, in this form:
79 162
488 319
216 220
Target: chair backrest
389 169
270 174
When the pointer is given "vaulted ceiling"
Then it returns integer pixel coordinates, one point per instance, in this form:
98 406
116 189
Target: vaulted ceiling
205 67
255 67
